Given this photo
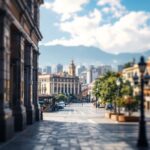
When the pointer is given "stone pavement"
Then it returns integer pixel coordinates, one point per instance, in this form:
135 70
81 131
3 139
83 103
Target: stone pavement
76 127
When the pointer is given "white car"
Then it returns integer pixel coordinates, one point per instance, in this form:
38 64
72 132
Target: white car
61 103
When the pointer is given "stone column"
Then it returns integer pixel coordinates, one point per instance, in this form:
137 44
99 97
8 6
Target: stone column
78 88
28 79
17 62
57 88
74 87
61 87
64 87
35 86
6 117
71 91
67 88
51 87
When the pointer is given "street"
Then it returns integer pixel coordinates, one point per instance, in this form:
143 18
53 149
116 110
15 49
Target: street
76 127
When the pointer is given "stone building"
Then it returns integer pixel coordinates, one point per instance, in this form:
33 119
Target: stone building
55 84
72 69
66 83
19 37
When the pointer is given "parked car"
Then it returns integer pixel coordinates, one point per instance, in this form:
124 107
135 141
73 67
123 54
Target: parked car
61 103
109 107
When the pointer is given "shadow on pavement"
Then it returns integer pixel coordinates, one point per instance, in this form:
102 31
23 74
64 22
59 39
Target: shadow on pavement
49 135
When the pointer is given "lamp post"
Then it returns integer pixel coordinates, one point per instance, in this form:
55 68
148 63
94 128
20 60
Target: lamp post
96 97
142 138
118 82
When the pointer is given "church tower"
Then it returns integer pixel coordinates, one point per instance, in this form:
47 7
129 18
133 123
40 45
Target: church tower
72 69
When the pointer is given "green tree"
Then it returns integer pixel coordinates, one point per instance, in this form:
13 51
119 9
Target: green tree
127 65
61 97
108 91
131 104
105 88
124 89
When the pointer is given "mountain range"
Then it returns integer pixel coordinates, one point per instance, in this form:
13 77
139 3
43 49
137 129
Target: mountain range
84 55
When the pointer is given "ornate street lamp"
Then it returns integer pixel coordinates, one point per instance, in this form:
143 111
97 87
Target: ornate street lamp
142 138
118 83
96 97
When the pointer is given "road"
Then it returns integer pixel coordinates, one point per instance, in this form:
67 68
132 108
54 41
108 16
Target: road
76 127
79 113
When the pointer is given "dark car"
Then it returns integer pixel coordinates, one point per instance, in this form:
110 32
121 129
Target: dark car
109 107
41 102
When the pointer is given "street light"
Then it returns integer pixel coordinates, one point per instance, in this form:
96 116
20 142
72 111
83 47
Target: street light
118 82
96 97
142 138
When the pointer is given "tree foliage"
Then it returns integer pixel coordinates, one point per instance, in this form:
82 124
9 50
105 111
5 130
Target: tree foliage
61 97
106 89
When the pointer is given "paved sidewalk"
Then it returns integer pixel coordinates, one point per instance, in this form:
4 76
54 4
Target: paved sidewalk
75 131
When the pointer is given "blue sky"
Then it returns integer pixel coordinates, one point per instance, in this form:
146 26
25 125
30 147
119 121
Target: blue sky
114 26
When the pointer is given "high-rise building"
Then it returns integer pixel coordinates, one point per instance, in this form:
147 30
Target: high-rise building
83 77
120 68
95 74
59 68
105 69
80 69
47 70
40 70
89 76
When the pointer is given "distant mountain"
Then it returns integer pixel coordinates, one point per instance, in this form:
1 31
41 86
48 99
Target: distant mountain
83 55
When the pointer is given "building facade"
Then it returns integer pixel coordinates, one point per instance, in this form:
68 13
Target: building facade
55 84
128 74
19 37
66 83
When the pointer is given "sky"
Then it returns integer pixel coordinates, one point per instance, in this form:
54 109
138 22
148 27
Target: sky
114 26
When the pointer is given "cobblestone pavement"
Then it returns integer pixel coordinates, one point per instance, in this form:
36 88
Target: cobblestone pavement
76 127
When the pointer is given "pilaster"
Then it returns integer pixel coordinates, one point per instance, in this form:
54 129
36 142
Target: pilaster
35 86
17 60
28 79
6 117
74 87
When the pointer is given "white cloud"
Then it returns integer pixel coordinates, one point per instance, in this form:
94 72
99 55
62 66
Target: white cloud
130 33
82 24
67 8
124 31
112 6
110 2
81 30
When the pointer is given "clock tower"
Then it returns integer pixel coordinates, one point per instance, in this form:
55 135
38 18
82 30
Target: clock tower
72 69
